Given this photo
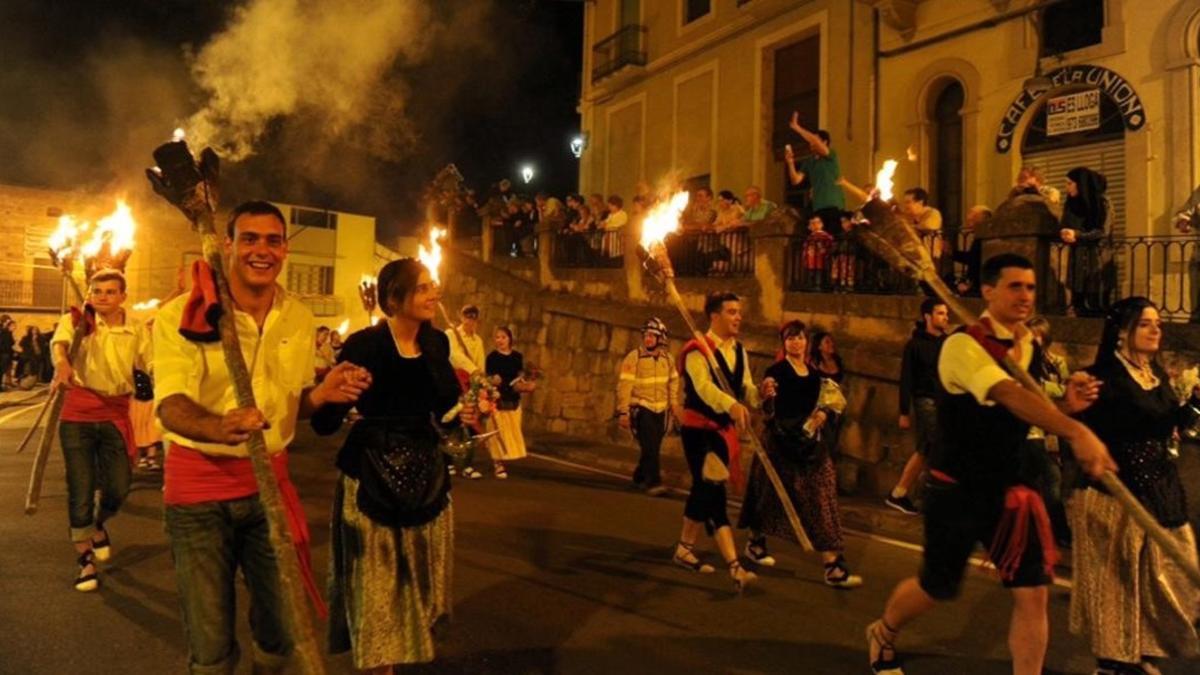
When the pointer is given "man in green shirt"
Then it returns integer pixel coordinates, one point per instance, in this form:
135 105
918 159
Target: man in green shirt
823 172
756 207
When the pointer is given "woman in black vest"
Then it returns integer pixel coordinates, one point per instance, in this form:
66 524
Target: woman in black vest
804 466
392 530
1129 599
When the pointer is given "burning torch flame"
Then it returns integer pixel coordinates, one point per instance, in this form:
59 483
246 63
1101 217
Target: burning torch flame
368 280
343 326
883 180
178 135
663 219
63 240
152 303
116 228
374 320
911 153
431 257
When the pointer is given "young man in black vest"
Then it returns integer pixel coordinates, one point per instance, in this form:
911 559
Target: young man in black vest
977 492
711 420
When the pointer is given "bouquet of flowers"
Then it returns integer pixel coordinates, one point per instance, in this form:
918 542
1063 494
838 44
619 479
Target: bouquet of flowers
482 392
1183 385
831 400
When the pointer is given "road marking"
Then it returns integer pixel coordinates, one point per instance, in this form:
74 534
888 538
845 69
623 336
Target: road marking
16 413
975 560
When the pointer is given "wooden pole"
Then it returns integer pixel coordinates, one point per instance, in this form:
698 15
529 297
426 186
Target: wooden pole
53 404
198 202
668 279
885 232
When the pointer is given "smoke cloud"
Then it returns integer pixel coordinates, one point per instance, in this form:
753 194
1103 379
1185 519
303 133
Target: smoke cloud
334 62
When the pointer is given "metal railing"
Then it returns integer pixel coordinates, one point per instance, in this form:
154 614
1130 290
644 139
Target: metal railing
514 242
729 253
626 47
600 249
843 265
1085 278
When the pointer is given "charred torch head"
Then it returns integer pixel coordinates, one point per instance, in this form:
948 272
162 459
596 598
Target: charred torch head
190 185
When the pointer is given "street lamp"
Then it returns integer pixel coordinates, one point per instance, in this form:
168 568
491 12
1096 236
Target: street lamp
577 145
527 173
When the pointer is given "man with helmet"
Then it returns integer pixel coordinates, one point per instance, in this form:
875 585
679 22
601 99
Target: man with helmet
648 386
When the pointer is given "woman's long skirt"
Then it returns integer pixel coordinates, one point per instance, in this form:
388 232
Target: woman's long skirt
812 491
1129 599
510 443
388 586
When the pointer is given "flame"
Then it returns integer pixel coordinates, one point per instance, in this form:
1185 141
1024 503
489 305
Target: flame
178 135
343 326
65 238
911 153
431 257
115 229
663 219
152 303
368 280
374 320
883 180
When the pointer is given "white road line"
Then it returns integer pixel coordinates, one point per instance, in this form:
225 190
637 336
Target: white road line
17 413
975 560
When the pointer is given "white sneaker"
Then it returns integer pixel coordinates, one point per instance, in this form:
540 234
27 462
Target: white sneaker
471 473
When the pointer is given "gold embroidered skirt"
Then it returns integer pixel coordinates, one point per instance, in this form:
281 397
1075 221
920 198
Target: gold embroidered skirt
388 586
1129 599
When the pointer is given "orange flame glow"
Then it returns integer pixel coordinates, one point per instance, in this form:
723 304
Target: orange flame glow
116 229
343 326
883 180
663 219
64 241
152 303
374 320
431 257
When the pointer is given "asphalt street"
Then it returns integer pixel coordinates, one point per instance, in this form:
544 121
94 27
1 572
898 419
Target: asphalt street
557 570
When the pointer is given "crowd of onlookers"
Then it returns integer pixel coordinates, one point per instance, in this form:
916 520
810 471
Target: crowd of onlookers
24 361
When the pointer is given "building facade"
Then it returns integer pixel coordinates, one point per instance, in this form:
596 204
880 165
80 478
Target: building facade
700 90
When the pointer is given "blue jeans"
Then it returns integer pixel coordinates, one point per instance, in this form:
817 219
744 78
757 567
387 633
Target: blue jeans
209 541
96 459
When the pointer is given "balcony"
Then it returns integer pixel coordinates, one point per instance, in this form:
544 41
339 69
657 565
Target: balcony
626 47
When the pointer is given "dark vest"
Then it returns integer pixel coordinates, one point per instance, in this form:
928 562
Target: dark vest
736 377
979 446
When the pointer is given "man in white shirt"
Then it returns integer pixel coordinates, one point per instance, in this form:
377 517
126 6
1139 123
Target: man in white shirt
473 358
976 489
95 429
711 422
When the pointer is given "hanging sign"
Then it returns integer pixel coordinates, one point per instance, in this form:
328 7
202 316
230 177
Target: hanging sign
1073 112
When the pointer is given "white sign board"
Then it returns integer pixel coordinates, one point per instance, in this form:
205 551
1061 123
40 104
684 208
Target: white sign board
1074 112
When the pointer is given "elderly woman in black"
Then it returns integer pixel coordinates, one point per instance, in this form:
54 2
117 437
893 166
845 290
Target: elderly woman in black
393 526
803 462
1131 601
1086 215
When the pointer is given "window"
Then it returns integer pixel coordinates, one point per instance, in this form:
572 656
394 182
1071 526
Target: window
47 284
797 89
695 9
310 279
948 143
314 218
1071 25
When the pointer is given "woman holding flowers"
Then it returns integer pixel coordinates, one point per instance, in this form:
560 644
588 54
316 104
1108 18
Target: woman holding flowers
508 367
392 523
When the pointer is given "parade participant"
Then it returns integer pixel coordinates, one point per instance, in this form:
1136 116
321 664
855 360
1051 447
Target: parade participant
393 539
804 465
465 363
711 421
215 522
918 394
94 430
975 492
146 435
508 365
647 387
1129 599
825 361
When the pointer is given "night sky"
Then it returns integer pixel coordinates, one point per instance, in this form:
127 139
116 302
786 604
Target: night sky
86 86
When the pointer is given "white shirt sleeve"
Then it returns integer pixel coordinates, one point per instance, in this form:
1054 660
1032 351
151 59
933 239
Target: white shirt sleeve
965 367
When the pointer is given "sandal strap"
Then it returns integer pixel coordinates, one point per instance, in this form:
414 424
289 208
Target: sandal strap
86 558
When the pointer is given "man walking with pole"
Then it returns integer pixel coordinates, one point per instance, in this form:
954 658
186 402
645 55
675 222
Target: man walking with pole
647 388
95 429
214 519
977 492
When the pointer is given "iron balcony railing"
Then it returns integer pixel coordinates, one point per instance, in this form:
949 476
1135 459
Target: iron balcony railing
728 253
843 265
626 47
598 249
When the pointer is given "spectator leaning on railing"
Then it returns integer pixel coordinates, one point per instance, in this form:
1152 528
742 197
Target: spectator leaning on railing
925 219
756 208
614 226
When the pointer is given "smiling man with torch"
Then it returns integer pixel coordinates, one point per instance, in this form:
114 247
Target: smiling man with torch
234 372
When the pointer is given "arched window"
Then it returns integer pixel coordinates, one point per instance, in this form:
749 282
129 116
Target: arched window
947 192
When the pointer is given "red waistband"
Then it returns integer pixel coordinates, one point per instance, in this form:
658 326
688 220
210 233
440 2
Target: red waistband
694 419
192 477
85 405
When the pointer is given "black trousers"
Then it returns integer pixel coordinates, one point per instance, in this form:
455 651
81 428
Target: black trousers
648 428
706 501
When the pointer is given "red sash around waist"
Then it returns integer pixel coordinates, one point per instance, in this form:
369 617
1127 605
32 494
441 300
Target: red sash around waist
694 419
85 405
192 477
